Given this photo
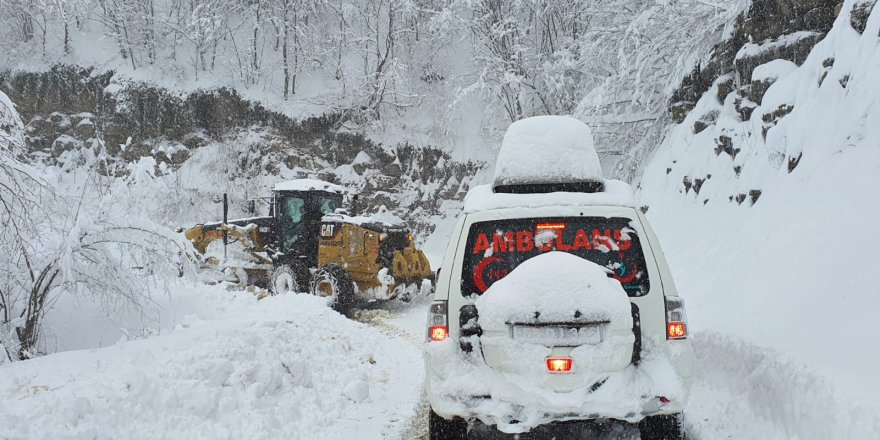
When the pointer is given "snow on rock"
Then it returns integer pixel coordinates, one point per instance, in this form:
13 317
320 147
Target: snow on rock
554 284
547 149
482 197
755 49
362 158
773 70
284 367
308 185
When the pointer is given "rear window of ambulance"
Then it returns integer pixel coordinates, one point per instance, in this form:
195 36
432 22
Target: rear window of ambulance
496 248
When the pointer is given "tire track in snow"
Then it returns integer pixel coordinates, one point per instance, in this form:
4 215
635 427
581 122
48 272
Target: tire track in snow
415 428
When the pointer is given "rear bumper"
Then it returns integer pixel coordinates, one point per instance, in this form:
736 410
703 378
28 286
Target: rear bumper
518 419
463 386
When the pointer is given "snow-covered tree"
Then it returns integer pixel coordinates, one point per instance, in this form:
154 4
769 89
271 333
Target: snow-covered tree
72 239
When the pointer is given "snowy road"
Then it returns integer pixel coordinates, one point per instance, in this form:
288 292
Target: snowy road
407 322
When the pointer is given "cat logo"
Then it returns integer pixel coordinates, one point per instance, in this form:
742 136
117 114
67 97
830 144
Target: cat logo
328 230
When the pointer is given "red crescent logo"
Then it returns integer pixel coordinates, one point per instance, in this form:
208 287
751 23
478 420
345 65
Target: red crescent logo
630 278
479 272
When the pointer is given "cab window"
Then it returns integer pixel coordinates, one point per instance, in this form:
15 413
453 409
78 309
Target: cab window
329 205
292 216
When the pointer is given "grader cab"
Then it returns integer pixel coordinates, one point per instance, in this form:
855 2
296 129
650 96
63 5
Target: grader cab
307 243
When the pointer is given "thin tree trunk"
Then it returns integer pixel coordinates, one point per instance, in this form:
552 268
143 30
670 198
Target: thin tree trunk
286 32
256 59
66 39
295 53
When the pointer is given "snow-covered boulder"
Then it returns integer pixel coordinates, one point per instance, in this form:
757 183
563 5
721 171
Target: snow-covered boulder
766 74
547 149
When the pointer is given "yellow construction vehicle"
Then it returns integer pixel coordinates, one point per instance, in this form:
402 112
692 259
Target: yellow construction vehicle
308 243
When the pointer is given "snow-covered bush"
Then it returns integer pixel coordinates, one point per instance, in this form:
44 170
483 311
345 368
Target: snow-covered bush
69 235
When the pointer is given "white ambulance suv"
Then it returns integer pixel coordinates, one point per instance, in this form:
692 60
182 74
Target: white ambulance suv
555 308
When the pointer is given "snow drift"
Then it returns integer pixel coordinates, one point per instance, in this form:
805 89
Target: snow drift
284 367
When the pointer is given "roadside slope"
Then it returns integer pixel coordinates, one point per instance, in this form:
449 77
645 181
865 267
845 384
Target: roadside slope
766 217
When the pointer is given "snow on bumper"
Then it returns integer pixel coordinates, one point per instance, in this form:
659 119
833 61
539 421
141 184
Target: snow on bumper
462 385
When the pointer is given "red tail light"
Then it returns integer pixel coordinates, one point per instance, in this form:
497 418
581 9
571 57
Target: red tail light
676 330
559 365
676 319
438 321
439 332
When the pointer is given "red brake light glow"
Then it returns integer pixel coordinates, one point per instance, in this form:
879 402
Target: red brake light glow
439 332
559 365
550 226
676 330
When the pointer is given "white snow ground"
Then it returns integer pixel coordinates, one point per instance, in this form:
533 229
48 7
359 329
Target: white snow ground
283 367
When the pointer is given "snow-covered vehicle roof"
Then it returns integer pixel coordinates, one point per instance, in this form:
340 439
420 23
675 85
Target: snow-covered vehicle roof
309 185
547 150
370 222
483 198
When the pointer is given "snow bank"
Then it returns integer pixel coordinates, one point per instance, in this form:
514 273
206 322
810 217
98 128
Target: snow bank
284 367
308 185
745 391
547 149
482 198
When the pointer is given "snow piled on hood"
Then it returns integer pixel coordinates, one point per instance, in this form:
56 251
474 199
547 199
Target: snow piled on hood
556 284
547 149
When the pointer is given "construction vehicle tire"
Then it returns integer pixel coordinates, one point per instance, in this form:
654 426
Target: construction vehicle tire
334 282
287 279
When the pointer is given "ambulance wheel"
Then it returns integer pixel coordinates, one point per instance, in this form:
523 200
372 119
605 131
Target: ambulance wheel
442 429
666 427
